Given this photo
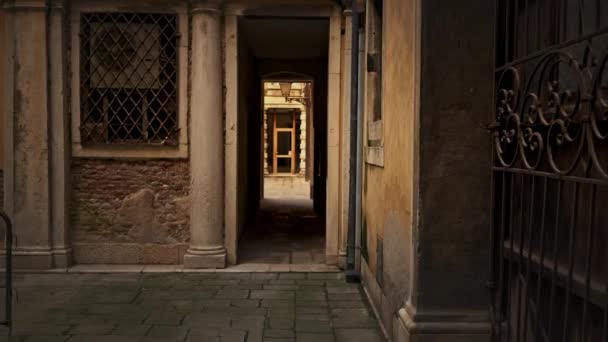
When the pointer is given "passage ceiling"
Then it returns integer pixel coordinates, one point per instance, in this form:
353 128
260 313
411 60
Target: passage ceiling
287 38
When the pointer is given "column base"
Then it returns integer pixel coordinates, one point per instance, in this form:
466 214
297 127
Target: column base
440 327
37 259
205 258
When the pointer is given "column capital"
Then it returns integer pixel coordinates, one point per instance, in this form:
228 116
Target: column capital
216 6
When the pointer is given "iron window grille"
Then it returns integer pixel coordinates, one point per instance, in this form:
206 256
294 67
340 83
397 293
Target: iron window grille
128 79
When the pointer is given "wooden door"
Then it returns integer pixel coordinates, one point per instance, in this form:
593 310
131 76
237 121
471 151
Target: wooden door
284 143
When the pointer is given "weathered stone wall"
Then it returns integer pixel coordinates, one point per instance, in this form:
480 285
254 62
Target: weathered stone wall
130 212
388 191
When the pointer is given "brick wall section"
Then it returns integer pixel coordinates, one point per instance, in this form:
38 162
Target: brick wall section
127 212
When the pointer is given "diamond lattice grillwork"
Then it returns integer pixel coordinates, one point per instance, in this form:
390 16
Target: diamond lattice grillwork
128 78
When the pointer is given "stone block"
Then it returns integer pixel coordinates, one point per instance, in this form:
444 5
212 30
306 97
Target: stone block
271 294
159 254
232 294
288 333
358 335
307 337
164 318
205 261
313 326
279 323
168 332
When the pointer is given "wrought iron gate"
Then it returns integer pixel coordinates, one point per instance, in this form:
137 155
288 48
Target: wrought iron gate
550 171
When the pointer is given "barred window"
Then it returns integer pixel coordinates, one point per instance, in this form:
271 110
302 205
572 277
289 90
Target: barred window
128 78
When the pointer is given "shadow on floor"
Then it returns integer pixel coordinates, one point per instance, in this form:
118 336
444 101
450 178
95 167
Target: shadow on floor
285 231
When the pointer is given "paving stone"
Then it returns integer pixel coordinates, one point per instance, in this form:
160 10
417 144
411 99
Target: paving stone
185 305
203 338
358 335
278 303
253 281
163 331
313 326
160 339
311 287
255 335
343 289
21 329
346 304
344 296
281 281
292 276
350 313
39 339
131 330
279 339
243 287
326 276
283 333
313 317
311 303
100 338
245 303
248 323
232 294
164 318
265 276
215 303
311 282
20 338
308 310
307 337
310 295
220 282
292 287
237 276
234 312
354 323
92 329
206 321
280 323
233 336
271 294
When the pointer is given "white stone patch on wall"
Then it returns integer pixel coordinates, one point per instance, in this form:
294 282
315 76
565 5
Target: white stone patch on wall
138 213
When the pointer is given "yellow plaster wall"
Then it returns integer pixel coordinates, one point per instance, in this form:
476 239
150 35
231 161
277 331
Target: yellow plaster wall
388 192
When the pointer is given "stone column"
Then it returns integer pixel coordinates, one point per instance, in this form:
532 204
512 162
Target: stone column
345 132
303 145
59 144
207 248
28 180
332 212
449 299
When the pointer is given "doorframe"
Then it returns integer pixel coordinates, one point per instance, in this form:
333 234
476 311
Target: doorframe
293 113
231 16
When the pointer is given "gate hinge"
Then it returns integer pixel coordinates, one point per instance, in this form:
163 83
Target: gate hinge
493 126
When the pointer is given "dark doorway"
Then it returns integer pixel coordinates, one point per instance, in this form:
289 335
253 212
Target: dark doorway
285 222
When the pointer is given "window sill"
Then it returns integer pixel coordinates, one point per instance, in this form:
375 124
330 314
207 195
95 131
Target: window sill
131 152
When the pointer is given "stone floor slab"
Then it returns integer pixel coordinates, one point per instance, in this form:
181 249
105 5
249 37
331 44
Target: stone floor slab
177 306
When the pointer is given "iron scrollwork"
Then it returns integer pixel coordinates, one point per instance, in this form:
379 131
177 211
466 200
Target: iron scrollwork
553 117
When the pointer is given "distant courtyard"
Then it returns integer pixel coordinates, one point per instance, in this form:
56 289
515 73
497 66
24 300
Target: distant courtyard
227 307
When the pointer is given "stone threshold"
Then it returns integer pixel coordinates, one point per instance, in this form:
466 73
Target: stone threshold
253 268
